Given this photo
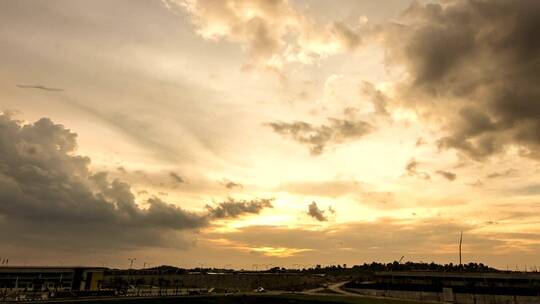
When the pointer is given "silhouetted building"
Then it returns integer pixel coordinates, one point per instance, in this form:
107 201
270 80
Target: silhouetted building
489 283
51 278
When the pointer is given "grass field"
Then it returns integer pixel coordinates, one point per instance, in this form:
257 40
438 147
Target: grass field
305 299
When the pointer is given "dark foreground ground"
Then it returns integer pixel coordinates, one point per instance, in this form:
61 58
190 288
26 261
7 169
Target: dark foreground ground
245 299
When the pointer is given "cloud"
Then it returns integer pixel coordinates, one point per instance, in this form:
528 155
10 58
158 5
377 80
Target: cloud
176 178
473 65
330 188
272 33
317 138
379 199
330 86
379 99
477 183
252 249
231 185
39 87
316 213
526 190
331 210
50 195
385 239
448 175
412 170
420 142
362 192
233 209
505 173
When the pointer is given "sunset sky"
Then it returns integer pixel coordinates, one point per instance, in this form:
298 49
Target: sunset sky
228 133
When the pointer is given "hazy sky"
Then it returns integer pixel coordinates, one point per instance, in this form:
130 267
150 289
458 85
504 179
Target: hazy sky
241 132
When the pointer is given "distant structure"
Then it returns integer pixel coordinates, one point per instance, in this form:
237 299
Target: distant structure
460 241
457 287
51 278
131 261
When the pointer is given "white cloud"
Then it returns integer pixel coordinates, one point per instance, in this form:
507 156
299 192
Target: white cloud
272 33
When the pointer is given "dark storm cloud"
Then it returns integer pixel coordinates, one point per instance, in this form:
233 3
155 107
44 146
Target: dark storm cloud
480 57
446 174
316 213
176 178
233 209
317 138
50 193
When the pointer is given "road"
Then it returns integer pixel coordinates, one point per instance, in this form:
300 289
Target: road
334 288
337 288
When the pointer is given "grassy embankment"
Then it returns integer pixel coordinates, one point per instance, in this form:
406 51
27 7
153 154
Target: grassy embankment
246 299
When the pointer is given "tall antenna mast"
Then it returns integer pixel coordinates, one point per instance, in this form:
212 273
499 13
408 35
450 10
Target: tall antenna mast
460 241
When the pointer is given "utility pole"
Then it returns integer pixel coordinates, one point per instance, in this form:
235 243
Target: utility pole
131 260
460 241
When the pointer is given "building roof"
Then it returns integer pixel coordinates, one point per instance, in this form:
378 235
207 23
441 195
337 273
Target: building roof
479 275
47 268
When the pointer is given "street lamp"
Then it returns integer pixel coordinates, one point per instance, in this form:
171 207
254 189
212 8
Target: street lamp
131 261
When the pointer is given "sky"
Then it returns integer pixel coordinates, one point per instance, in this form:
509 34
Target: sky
259 133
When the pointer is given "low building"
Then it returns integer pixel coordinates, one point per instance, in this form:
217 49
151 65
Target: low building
511 283
51 278
233 281
452 287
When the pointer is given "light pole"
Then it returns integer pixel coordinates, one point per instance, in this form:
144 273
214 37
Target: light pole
131 261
